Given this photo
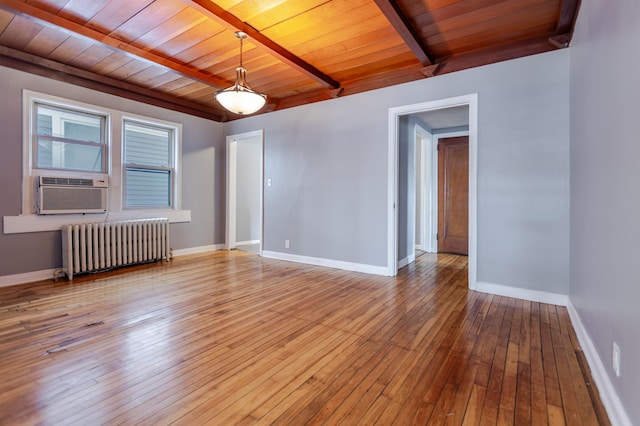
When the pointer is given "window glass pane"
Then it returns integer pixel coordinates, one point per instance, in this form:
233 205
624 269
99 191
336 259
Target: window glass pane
45 153
65 155
81 131
148 188
45 125
69 124
87 129
149 146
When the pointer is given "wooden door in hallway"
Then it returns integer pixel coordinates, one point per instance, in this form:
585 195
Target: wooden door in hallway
453 195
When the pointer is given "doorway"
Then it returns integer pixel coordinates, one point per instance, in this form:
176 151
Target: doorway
431 127
244 218
396 198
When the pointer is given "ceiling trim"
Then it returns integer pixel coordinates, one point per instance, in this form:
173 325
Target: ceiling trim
32 64
495 54
430 70
403 27
59 23
212 10
566 23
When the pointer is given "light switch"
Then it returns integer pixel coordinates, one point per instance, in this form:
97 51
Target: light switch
268 182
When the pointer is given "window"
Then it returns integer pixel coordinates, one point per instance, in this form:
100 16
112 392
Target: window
65 139
149 165
140 157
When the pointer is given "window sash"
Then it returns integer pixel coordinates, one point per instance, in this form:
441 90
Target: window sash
148 145
43 130
75 156
148 187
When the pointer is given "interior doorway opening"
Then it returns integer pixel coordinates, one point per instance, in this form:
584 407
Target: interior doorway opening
412 219
429 133
244 218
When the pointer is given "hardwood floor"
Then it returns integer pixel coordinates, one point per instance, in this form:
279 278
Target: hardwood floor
231 338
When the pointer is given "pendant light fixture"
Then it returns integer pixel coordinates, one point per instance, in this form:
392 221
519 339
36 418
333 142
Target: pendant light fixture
240 98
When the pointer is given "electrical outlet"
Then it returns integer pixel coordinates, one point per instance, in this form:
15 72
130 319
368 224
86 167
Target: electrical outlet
615 359
286 243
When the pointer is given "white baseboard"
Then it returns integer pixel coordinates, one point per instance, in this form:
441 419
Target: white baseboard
608 395
246 243
523 293
27 277
407 260
195 250
337 264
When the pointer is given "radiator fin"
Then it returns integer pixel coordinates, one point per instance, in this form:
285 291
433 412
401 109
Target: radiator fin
90 247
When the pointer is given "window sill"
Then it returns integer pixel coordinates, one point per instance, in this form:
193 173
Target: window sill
40 223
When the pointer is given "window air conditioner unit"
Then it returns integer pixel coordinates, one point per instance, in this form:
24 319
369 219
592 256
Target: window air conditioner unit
57 195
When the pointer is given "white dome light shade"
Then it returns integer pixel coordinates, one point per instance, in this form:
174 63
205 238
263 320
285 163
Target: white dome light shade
239 98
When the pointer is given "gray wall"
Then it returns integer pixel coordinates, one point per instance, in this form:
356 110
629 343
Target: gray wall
605 200
328 162
248 189
324 196
203 172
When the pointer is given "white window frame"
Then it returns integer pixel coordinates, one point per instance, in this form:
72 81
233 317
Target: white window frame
28 221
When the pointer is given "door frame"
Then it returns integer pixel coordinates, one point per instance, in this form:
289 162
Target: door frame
471 101
231 166
425 172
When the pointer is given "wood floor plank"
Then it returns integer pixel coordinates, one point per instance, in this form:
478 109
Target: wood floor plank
523 385
569 398
232 338
464 374
473 410
539 414
496 375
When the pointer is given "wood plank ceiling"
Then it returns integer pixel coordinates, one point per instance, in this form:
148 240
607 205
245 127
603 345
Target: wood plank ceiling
178 53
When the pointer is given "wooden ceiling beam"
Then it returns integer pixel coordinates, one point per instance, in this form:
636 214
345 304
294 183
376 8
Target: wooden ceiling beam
566 22
403 27
212 10
568 15
33 64
59 23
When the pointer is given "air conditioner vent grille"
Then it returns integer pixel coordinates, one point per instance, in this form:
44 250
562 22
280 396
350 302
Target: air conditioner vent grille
61 181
